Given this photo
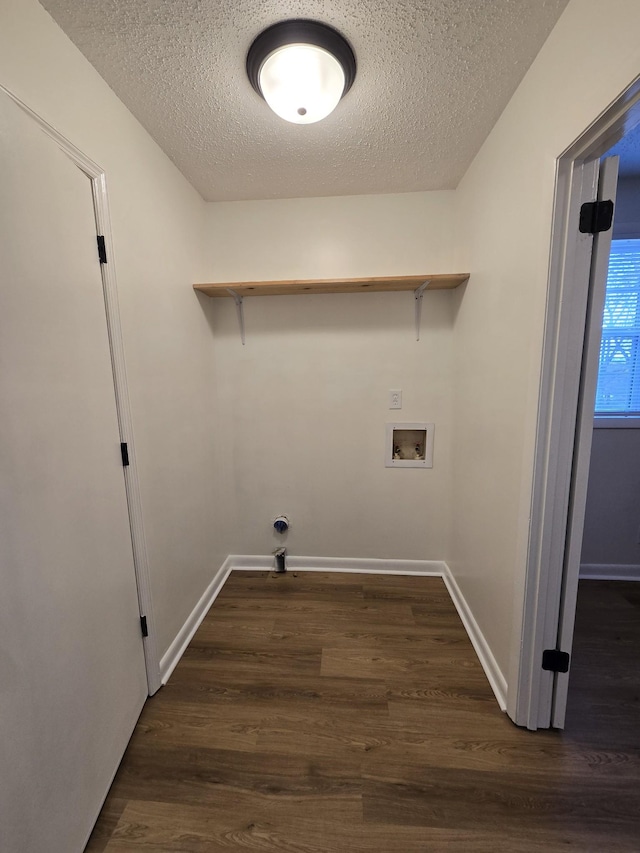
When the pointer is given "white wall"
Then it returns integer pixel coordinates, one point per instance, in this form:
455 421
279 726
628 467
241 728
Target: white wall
504 208
305 401
612 520
157 231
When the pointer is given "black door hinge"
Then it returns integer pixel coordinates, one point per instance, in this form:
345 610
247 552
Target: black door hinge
143 626
596 216
102 249
124 451
555 661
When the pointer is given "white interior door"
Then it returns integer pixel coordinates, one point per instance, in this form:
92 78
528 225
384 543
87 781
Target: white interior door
72 674
607 186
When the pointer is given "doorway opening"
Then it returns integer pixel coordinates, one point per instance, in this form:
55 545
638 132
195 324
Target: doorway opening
604 673
578 269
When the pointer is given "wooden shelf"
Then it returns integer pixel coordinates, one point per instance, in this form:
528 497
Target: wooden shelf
332 285
417 283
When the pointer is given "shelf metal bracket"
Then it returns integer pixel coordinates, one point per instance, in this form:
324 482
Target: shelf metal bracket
240 310
417 296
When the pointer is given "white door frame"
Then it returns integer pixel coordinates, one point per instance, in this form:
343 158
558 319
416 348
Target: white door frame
530 701
97 178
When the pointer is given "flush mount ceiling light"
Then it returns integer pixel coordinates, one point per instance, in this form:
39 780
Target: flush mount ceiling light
301 68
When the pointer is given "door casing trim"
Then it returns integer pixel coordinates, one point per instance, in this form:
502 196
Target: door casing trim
98 180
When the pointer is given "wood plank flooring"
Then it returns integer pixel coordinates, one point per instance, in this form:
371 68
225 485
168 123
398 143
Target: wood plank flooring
325 713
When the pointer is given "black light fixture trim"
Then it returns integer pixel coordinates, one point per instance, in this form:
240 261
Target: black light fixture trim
300 31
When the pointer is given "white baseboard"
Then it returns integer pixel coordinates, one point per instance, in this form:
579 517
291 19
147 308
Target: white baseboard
356 565
609 572
170 658
493 672
249 562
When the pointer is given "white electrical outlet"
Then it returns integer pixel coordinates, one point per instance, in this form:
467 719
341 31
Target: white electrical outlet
395 398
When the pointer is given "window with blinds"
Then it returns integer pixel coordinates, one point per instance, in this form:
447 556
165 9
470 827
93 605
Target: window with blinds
619 370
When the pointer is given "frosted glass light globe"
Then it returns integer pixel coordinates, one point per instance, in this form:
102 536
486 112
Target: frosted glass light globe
302 83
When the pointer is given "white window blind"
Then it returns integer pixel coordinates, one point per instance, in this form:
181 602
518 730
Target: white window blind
619 370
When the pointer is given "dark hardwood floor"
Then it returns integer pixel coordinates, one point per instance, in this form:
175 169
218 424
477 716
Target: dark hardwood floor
322 713
604 690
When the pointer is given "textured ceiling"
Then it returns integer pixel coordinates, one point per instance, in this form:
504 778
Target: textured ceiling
433 77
